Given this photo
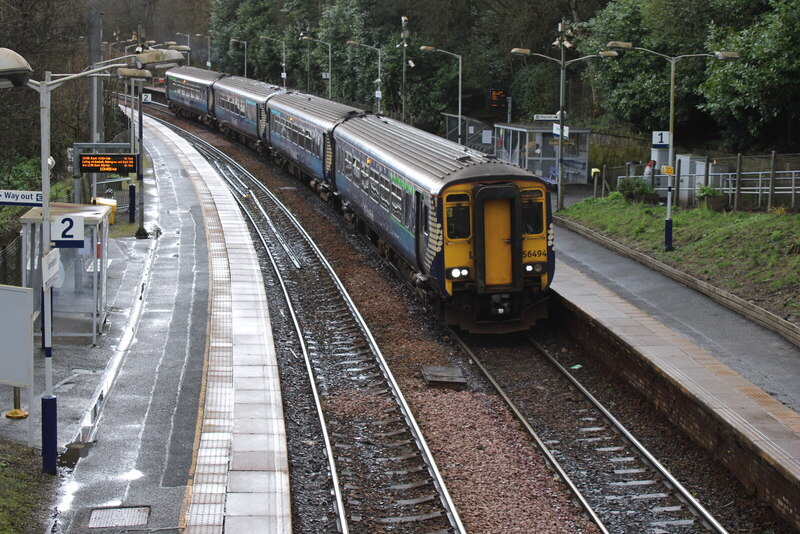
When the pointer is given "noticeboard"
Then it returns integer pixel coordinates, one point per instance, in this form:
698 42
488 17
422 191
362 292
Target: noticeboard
109 163
16 333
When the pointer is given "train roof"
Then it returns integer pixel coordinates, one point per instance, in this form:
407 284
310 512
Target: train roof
193 74
254 89
319 111
430 161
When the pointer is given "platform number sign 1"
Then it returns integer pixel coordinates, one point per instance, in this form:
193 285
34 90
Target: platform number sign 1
67 231
660 140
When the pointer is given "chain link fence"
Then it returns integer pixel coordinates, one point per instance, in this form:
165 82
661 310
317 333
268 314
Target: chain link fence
755 183
11 262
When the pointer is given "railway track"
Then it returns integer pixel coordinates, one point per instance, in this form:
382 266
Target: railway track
618 482
382 475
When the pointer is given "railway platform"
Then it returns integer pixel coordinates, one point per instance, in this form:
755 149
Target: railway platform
176 413
729 383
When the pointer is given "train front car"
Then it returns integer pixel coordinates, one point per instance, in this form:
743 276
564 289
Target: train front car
496 259
475 233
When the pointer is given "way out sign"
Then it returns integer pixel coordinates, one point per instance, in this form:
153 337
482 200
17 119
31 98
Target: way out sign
66 231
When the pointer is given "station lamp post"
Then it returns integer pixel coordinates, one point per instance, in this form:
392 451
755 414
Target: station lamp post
208 48
283 56
378 93
723 56
189 45
245 53
563 44
434 49
15 72
309 38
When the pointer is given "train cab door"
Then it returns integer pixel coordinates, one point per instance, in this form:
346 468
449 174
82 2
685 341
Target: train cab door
328 159
498 242
422 232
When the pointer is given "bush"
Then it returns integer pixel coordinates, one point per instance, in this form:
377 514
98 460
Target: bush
707 191
631 188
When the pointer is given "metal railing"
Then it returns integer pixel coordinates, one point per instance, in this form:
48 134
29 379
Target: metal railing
757 183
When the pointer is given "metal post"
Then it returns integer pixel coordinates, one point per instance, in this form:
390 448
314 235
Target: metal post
330 73
245 58
672 62
560 204
379 96
738 194
668 220
459 100
17 412
771 181
49 401
141 233
283 64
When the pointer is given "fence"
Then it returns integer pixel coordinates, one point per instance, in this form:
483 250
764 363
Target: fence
10 262
750 182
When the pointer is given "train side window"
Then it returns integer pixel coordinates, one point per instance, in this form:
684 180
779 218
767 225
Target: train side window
397 201
532 212
457 209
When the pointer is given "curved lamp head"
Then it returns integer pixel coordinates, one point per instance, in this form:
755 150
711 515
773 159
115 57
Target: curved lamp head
158 58
14 69
428 48
135 74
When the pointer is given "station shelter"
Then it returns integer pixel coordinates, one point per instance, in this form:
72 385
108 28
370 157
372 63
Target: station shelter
79 291
534 146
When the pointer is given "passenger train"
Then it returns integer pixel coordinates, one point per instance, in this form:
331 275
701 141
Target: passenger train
474 235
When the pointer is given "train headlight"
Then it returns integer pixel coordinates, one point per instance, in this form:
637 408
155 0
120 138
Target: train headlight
458 273
534 268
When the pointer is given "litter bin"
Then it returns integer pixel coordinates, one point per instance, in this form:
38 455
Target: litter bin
110 202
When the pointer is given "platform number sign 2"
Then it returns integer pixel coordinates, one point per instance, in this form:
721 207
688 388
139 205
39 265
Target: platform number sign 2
67 231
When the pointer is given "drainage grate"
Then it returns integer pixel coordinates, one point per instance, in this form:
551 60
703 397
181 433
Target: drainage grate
119 517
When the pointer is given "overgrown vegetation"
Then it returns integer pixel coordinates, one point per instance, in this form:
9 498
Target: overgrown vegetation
25 492
753 255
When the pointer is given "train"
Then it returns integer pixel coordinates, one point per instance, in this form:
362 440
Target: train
474 235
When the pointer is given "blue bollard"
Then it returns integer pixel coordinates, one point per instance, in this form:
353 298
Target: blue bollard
49 434
131 203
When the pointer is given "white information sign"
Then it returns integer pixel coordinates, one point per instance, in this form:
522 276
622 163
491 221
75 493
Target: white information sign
50 263
557 131
486 137
545 117
660 139
20 198
67 230
16 335
147 98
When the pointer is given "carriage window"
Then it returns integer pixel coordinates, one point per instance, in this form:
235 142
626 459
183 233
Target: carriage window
458 216
532 212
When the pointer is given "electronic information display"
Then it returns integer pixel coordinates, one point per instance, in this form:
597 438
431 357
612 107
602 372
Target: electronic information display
116 163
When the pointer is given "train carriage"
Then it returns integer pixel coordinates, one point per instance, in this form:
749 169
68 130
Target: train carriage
478 230
189 92
299 132
240 106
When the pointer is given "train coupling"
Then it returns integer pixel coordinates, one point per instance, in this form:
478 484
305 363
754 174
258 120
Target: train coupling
500 305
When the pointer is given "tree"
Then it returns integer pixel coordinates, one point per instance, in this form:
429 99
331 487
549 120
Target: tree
757 98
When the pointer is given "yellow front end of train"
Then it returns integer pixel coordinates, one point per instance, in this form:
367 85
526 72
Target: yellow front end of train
497 254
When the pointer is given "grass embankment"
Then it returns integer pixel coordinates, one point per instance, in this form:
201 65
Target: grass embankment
25 492
755 256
